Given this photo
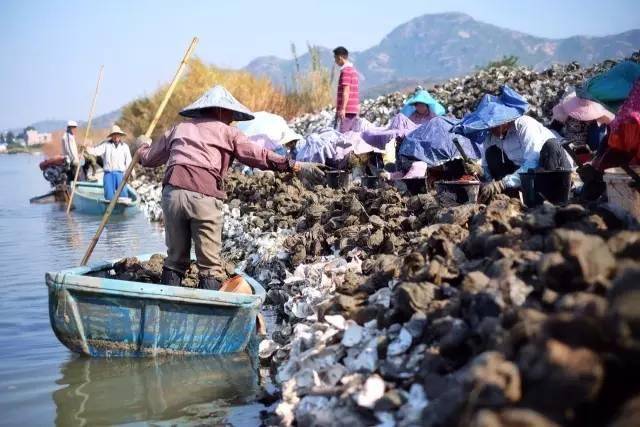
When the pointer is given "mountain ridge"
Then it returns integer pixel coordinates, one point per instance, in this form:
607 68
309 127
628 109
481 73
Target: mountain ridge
440 46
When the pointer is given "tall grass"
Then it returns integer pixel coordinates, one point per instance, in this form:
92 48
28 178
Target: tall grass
311 89
310 92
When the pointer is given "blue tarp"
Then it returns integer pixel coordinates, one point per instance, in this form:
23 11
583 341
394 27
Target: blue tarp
433 143
424 97
611 88
492 111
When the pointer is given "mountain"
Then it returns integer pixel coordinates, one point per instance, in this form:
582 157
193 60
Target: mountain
440 46
104 121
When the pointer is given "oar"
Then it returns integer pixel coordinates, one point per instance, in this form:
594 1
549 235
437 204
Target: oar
135 159
84 142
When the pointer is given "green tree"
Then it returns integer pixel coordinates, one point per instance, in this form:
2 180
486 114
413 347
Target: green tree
506 61
10 138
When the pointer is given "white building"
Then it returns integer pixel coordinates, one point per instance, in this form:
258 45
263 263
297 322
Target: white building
33 137
3 148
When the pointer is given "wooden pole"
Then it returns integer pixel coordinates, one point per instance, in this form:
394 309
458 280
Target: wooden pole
84 141
127 174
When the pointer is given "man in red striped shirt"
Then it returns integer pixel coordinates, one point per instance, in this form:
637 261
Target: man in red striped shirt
348 99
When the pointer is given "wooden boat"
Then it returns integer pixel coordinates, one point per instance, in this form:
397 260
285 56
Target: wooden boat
89 199
58 194
102 317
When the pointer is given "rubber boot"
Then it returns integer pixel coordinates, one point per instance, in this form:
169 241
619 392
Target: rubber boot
171 277
209 283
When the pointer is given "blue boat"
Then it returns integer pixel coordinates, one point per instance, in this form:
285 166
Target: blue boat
89 199
103 317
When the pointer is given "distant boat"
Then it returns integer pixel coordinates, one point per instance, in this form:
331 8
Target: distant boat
89 199
102 317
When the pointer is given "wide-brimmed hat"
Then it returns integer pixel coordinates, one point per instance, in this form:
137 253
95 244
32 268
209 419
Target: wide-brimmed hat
289 136
493 111
424 97
115 130
584 110
72 124
217 97
269 125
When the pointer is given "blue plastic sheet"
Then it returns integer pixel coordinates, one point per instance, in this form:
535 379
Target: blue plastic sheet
433 143
492 111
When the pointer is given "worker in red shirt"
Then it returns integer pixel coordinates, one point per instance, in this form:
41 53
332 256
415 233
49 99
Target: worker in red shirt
348 99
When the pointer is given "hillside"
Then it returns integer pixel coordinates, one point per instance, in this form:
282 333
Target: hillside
440 46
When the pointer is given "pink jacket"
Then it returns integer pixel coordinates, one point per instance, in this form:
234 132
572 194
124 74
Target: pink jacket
208 144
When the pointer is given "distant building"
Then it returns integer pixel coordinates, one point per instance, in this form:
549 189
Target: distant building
3 148
33 137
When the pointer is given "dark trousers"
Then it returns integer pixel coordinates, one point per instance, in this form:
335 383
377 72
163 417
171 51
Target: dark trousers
552 157
71 172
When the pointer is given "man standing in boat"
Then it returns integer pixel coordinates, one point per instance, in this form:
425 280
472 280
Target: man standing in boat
197 154
70 149
116 158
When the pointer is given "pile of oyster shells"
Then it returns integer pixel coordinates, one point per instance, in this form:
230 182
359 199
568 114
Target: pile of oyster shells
395 310
459 95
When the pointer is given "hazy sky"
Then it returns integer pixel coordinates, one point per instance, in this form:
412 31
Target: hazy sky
51 50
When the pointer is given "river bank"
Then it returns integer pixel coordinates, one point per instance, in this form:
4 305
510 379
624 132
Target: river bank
403 310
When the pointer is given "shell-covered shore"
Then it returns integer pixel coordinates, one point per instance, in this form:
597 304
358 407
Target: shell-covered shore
394 310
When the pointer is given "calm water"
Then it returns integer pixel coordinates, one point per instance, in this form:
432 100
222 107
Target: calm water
41 382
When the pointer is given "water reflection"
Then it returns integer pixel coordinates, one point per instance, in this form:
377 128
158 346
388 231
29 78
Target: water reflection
39 383
119 391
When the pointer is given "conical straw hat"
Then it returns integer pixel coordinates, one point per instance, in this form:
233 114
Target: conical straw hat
218 97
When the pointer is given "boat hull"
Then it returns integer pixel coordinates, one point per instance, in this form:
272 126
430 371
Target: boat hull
89 199
102 317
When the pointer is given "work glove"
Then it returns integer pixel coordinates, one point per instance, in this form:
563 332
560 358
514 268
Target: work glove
142 140
472 168
310 174
489 190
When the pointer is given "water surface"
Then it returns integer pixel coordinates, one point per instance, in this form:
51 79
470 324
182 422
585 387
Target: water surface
43 383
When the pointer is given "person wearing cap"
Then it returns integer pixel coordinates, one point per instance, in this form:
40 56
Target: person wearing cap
513 142
421 107
348 98
517 146
197 154
116 158
70 149
582 122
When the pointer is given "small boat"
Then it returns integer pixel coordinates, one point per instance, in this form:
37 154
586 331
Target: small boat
102 317
58 194
89 199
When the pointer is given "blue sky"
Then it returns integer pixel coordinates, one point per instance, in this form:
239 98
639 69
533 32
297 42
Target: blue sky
51 50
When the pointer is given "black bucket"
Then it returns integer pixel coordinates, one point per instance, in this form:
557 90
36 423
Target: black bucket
371 182
552 186
460 192
416 185
338 179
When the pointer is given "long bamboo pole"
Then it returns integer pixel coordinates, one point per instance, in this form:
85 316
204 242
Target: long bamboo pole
127 174
84 141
